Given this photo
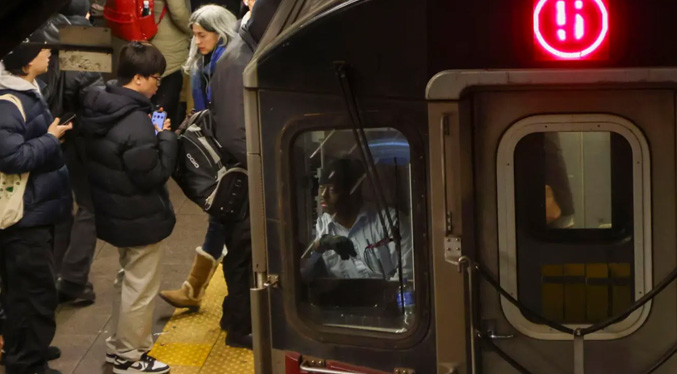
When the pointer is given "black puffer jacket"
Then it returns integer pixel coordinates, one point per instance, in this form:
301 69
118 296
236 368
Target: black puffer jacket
128 167
27 147
66 89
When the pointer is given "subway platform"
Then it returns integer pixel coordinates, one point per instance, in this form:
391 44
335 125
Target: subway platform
191 343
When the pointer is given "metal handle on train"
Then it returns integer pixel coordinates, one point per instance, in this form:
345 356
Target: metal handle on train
492 335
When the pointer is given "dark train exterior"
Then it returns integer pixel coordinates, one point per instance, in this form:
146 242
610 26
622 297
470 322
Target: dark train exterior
526 147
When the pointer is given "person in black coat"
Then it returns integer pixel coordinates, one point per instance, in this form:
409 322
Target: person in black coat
229 128
233 6
30 144
75 237
128 167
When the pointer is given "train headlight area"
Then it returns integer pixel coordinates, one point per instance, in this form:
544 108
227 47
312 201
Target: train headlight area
449 186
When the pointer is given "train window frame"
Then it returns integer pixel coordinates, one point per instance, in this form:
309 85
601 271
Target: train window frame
507 242
340 334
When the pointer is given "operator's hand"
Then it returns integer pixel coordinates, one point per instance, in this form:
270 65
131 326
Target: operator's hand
340 244
59 130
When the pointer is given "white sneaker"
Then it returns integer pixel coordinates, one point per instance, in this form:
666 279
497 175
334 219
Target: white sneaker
110 358
146 364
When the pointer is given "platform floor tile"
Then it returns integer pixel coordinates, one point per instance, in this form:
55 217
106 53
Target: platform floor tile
194 341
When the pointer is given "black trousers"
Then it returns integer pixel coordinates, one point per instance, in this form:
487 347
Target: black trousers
237 269
168 96
29 297
75 237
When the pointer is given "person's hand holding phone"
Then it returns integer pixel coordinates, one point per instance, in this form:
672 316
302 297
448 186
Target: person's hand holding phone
59 128
160 120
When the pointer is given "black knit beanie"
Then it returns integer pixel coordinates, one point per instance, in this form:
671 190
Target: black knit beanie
21 56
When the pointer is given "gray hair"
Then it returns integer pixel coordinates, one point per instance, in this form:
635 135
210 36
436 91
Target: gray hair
213 18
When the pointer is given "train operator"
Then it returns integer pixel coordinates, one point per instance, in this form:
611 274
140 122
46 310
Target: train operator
351 241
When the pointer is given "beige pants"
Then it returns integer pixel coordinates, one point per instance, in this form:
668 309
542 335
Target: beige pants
136 285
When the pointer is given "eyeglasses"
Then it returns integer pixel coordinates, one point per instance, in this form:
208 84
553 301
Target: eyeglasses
158 79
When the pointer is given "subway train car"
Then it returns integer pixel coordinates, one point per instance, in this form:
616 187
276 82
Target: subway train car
503 170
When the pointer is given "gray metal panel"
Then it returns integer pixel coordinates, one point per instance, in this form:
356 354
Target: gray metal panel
252 121
86 36
450 84
256 190
263 360
257 214
654 112
279 362
445 196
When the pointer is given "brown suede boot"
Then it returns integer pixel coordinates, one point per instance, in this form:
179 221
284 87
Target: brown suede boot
191 292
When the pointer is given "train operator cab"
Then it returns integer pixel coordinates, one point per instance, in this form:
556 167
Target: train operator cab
464 187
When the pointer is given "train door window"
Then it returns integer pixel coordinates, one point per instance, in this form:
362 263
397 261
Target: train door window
354 230
573 218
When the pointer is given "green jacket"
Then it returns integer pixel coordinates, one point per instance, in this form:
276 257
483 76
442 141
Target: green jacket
173 36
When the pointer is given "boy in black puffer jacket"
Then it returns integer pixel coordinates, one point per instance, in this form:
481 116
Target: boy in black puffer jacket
30 144
128 166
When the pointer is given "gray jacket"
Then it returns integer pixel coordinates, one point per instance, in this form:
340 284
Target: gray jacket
227 84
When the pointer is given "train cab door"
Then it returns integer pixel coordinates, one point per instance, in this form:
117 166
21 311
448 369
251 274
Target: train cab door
565 199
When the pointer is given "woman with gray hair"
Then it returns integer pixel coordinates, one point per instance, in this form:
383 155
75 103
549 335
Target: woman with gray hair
213 28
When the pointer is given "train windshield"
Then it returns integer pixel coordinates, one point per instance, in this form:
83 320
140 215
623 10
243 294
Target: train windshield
354 227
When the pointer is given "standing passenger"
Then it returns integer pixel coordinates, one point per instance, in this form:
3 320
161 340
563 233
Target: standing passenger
128 167
30 143
229 128
75 237
172 39
249 5
213 29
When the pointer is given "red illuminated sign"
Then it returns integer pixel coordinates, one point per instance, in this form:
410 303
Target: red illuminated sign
571 29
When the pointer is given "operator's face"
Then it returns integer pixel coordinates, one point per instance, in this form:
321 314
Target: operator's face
330 198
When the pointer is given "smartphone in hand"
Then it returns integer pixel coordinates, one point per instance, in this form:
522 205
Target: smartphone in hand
158 119
66 117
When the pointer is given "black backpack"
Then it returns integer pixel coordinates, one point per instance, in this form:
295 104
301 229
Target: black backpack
208 174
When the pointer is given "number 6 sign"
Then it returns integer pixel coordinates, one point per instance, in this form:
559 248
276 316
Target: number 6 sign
570 29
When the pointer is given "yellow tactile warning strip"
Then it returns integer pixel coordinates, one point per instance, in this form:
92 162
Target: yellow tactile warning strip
193 343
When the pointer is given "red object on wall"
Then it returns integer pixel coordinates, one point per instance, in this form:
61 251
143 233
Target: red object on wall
125 20
571 29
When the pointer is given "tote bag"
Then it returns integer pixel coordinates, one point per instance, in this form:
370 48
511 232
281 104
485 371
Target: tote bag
12 186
